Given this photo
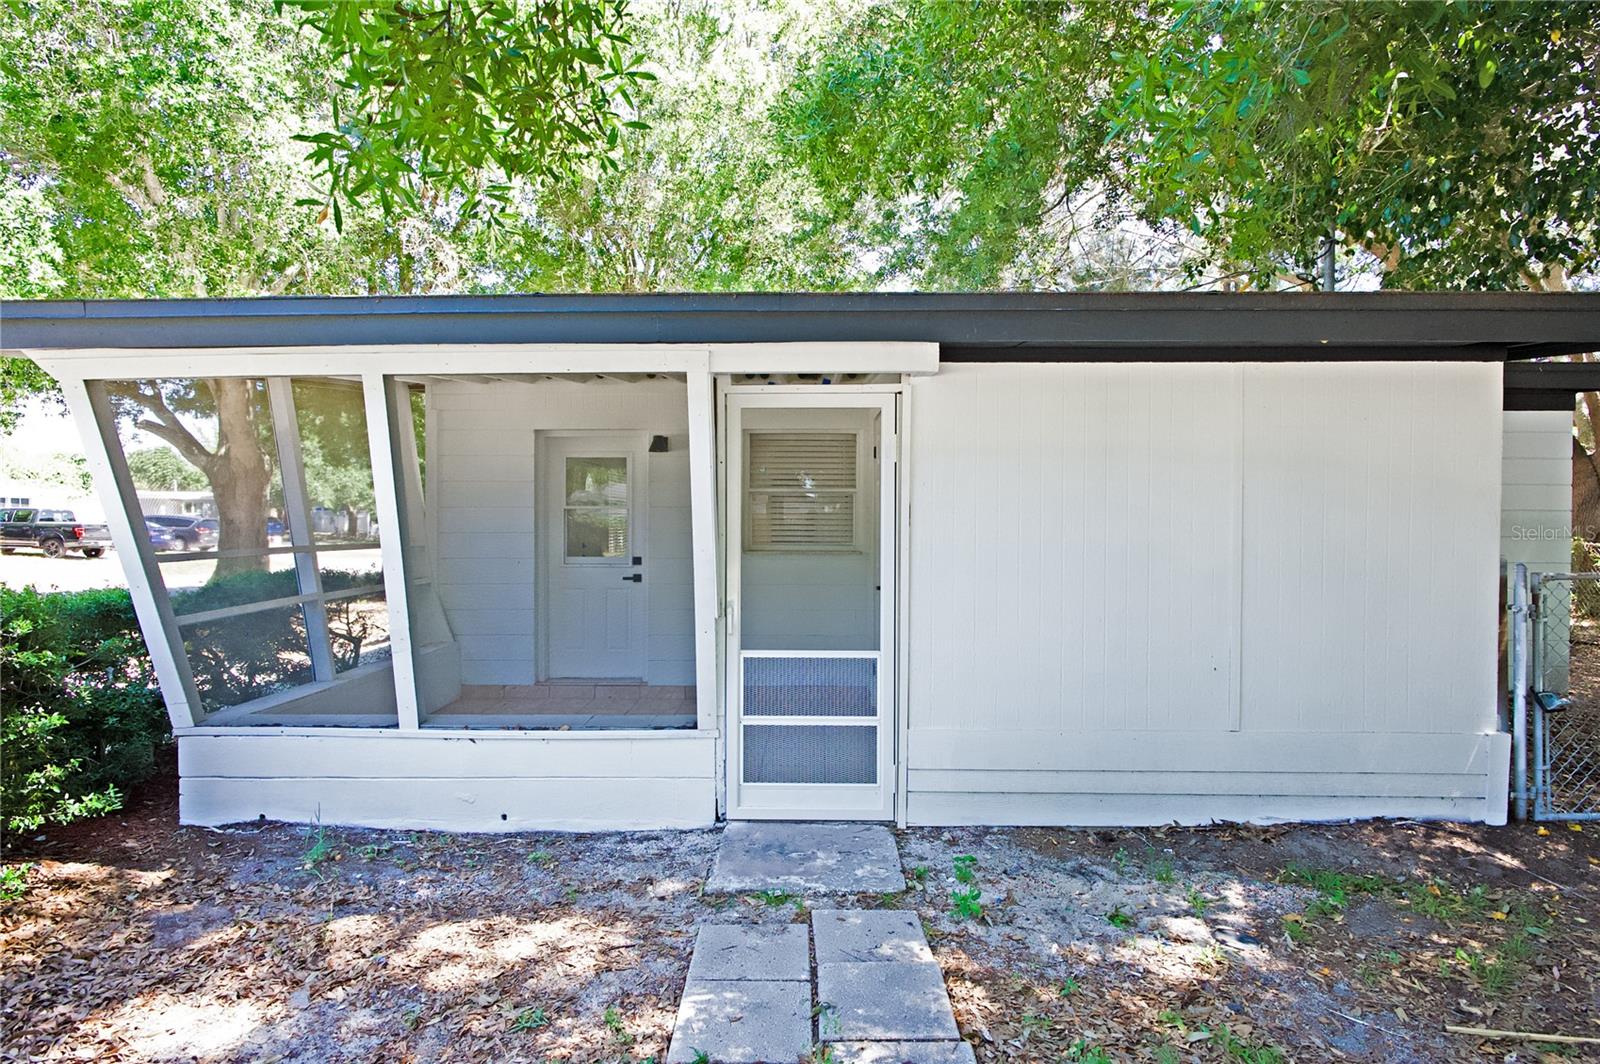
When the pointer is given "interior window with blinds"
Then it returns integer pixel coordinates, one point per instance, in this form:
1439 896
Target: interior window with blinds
801 493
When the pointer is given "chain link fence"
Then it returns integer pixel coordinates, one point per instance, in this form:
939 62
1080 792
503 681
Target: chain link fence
1564 697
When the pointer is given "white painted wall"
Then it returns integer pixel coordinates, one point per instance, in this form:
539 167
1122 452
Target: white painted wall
481 482
1142 593
1536 492
482 781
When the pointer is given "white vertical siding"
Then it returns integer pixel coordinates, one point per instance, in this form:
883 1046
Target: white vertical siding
1074 555
1536 493
488 564
1371 547
1153 592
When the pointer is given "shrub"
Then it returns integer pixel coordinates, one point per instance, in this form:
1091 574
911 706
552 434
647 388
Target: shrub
82 718
249 655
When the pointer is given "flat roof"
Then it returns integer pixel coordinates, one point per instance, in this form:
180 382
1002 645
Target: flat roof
978 326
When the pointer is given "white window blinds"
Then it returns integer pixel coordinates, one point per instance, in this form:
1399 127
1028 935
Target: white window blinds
801 492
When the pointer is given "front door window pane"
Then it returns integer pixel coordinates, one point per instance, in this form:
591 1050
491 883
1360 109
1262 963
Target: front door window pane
596 519
597 532
597 482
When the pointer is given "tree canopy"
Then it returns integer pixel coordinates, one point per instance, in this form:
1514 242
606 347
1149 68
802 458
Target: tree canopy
1452 144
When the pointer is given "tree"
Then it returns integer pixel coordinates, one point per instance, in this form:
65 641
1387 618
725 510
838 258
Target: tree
235 463
940 134
153 149
1453 142
333 446
703 199
439 98
161 469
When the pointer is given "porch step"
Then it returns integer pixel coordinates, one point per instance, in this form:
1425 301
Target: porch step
828 858
879 995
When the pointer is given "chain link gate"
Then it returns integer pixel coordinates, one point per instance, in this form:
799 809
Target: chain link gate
1564 695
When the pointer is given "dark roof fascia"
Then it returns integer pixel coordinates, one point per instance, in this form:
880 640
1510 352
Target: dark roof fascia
1026 325
1226 353
1548 385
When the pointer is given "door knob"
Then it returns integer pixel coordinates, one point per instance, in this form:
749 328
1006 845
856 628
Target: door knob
637 578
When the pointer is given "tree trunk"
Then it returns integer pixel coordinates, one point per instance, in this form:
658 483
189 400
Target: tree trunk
240 475
1585 494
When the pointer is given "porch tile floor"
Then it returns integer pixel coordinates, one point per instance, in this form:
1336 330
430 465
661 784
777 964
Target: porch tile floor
578 706
750 993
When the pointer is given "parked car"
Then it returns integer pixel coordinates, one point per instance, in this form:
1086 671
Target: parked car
191 533
161 537
56 532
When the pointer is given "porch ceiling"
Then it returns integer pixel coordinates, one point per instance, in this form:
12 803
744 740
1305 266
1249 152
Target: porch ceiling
1012 326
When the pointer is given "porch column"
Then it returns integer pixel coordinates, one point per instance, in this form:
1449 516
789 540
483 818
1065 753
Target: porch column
97 427
297 513
388 414
703 526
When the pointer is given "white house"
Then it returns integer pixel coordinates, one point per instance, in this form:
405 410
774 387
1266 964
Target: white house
934 559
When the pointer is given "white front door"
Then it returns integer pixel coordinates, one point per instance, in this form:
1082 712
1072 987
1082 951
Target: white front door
811 534
592 504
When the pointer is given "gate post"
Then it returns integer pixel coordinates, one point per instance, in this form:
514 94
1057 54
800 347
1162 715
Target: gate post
1519 689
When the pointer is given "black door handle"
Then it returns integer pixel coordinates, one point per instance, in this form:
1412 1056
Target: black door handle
637 578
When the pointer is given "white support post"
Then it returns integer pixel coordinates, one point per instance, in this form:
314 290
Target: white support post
297 512
703 525
383 419
97 428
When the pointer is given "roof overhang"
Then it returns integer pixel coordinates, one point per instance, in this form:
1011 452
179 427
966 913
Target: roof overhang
1010 326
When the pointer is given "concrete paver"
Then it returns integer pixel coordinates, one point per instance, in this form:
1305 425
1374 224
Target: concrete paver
902 1053
869 935
825 858
879 994
882 1000
739 951
743 1021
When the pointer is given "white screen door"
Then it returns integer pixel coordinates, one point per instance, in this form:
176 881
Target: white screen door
811 489
594 571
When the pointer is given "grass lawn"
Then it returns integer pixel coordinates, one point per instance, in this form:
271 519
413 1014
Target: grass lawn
134 939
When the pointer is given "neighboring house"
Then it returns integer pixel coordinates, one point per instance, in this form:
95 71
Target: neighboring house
937 559
47 494
178 503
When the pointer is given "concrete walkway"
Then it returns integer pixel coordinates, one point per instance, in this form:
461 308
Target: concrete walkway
876 994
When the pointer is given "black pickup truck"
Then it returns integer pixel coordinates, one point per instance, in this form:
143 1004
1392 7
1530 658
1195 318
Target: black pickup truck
56 532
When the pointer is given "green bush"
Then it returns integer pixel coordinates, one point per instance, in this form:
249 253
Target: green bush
249 655
81 718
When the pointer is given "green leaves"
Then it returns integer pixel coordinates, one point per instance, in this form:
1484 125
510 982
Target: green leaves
441 104
1452 143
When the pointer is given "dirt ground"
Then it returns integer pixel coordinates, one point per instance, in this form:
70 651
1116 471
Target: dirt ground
136 940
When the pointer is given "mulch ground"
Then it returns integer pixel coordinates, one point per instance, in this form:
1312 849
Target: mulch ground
139 940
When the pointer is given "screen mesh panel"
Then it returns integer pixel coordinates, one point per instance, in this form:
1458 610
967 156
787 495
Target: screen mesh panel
810 687
810 753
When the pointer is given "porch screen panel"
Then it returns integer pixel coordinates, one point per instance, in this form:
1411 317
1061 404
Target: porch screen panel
256 496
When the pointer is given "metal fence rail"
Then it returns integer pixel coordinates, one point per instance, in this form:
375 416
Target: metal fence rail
1563 695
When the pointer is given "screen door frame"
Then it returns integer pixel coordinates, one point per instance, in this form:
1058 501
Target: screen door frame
814 801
